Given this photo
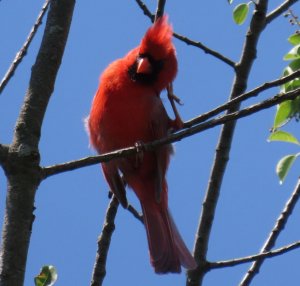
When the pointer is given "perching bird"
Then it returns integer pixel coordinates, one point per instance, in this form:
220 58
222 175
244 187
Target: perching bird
126 110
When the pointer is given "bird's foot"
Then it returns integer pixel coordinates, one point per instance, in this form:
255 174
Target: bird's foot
177 123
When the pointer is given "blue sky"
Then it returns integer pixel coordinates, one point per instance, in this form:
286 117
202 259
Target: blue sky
71 206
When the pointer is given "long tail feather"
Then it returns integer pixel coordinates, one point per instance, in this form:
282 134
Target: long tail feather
167 249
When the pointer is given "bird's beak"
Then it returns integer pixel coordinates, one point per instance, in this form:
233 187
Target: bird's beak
144 66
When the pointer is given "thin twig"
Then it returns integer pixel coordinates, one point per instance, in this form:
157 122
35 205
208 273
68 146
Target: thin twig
252 93
23 51
160 9
264 255
279 10
104 239
205 49
145 9
271 240
88 161
186 40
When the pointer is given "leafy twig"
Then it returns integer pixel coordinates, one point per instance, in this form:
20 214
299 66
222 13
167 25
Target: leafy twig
88 161
264 255
104 239
20 55
279 10
271 240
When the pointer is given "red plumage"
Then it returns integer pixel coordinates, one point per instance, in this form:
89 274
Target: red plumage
127 109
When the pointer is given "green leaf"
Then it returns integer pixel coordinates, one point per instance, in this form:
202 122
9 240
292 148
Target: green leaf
294 39
295 83
292 67
229 1
284 165
293 54
296 107
283 114
291 85
240 13
283 136
47 276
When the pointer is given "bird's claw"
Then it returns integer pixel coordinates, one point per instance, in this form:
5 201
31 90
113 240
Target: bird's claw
174 97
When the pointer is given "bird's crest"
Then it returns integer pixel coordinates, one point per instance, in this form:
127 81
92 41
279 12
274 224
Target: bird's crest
158 40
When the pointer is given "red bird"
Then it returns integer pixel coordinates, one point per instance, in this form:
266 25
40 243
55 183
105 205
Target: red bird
126 110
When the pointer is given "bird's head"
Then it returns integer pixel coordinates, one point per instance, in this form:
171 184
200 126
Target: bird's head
155 59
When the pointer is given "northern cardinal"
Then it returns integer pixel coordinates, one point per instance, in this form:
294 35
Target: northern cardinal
126 110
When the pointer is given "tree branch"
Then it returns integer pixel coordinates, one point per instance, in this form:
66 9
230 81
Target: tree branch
252 93
104 239
21 54
88 161
186 40
242 69
145 9
206 49
264 255
160 9
22 166
279 10
274 234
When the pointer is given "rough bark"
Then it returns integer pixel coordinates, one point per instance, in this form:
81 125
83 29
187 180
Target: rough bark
22 163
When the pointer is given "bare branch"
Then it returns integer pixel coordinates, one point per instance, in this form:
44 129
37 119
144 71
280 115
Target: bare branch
21 54
205 49
264 255
88 161
252 93
242 69
279 10
160 9
104 239
274 234
186 40
145 9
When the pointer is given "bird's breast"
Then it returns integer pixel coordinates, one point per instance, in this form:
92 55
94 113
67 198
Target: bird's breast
126 118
